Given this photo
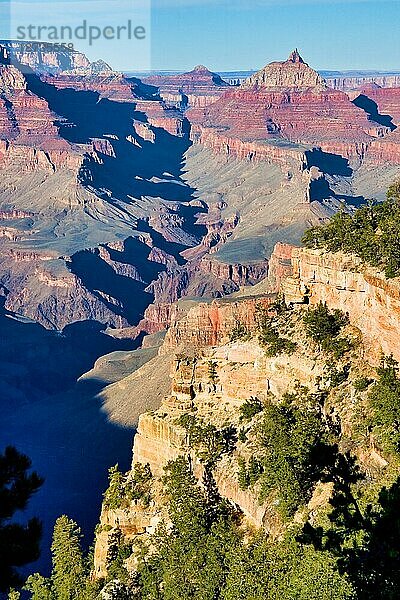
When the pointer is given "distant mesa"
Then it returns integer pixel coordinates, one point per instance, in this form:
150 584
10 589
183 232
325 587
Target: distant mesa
293 74
196 88
42 58
197 77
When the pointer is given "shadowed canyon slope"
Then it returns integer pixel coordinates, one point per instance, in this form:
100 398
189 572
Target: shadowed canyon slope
93 205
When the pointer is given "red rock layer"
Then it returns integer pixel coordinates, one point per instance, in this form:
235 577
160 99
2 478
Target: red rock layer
28 137
160 116
326 119
285 105
28 158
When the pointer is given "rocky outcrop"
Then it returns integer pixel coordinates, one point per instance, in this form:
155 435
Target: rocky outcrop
113 86
241 370
197 88
371 300
43 58
26 158
41 288
158 115
29 138
387 101
293 74
210 324
10 215
206 277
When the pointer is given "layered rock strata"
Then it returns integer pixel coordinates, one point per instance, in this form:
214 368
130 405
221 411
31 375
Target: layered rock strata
371 300
279 109
241 370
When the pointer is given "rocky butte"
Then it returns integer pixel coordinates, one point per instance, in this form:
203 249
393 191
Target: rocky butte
285 108
197 88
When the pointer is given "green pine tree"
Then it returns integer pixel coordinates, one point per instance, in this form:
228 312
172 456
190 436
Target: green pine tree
39 587
70 576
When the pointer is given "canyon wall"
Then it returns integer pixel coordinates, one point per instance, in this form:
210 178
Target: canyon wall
349 83
212 376
371 300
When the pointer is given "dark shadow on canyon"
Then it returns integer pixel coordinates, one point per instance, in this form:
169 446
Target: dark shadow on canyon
320 190
98 275
86 115
132 171
371 108
59 423
331 164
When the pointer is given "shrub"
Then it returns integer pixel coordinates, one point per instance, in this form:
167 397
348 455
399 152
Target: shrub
139 486
294 444
384 399
212 371
122 489
249 473
337 376
323 326
209 442
242 436
269 336
239 333
362 384
115 493
250 409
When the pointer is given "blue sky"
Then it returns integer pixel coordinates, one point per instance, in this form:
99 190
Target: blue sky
234 34
245 34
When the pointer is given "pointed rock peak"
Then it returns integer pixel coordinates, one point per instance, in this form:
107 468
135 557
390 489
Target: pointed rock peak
295 57
291 74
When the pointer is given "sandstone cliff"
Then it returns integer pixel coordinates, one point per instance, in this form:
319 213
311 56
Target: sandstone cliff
211 377
371 300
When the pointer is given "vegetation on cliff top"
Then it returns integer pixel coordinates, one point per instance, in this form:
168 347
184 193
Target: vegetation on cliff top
372 232
123 489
